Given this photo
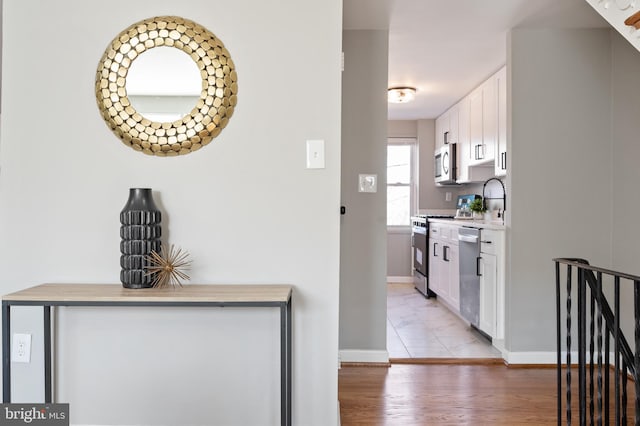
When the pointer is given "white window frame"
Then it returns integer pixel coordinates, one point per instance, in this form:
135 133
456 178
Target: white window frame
413 187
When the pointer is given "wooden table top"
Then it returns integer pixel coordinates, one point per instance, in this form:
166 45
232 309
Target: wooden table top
190 293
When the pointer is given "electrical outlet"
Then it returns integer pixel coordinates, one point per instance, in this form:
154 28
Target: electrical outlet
21 350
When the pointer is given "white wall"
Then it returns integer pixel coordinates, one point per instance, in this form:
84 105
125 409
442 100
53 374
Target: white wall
560 181
244 207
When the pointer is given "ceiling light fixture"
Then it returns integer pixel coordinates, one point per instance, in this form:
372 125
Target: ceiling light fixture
401 95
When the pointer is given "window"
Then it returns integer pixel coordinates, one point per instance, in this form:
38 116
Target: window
400 181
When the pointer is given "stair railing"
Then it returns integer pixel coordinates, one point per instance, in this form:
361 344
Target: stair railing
586 302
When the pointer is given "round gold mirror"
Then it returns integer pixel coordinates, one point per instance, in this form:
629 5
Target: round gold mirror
151 131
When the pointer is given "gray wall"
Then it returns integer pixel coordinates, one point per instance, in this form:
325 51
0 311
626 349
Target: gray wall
402 128
399 255
560 177
363 236
65 178
625 132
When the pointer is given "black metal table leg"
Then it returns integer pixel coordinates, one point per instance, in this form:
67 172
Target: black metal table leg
6 352
289 361
48 388
285 364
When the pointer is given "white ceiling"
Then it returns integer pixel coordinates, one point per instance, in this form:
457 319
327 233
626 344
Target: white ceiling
445 48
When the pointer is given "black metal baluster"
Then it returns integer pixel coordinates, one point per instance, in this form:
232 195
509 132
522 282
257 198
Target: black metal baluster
599 299
636 359
582 347
607 380
568 374
592 326
559 349
616 344
624 392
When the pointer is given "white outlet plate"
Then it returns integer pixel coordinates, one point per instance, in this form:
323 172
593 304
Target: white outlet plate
21 349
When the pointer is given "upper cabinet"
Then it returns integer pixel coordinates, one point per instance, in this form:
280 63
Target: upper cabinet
484 122
501 143
478 125
447 127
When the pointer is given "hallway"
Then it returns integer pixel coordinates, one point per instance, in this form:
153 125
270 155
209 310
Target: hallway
422 328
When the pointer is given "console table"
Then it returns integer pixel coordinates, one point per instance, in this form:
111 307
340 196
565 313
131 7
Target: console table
192 295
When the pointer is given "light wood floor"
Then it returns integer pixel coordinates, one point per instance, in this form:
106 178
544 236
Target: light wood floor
417 395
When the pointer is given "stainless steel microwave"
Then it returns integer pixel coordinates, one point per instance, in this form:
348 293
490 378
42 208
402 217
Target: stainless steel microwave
445 165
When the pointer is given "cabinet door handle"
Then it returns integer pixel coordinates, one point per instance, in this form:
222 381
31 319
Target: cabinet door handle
486 242
445 250
478 266
503 160
435 249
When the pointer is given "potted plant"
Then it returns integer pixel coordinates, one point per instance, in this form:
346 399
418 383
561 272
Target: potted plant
477 207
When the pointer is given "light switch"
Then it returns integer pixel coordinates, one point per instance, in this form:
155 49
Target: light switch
315 154
367 183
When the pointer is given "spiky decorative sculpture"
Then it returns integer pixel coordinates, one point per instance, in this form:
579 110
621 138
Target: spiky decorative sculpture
168 267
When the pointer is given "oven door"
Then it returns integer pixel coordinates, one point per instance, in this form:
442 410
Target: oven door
420 255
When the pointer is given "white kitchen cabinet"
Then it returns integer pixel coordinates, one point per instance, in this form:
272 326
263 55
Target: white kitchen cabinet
484 122
492 284
447 127
488 282
435 254
444 275
454 275
440 131
464 140
475 126
466 172
453 129
478 124
501 142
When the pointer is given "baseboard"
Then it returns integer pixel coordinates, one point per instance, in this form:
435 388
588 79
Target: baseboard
541 358
513 358
364 356
399 280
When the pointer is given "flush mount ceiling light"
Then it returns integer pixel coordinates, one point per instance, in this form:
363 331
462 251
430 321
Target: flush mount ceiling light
401 95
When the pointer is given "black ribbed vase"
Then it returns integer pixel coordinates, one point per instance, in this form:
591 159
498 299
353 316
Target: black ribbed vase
140 232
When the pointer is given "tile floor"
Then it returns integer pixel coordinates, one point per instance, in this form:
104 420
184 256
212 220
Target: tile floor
423 328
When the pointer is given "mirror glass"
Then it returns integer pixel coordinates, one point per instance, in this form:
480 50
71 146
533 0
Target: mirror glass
164 84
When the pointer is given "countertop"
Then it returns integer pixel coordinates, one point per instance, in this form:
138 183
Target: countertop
481 224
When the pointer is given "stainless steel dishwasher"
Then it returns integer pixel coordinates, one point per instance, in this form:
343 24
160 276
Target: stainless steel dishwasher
469 245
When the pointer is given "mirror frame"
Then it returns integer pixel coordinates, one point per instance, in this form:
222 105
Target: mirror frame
211 113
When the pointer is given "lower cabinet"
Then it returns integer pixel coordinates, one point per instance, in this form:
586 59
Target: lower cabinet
488 281
492 284
444 276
